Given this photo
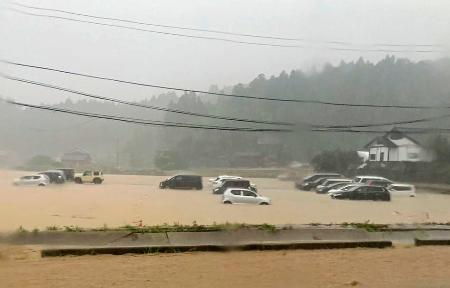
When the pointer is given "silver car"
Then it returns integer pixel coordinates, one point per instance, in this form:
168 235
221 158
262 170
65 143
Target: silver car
32 180
245 196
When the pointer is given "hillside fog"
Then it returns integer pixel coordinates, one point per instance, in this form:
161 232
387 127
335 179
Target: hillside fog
27 133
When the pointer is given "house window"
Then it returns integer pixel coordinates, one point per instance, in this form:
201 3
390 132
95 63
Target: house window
373 157
413 155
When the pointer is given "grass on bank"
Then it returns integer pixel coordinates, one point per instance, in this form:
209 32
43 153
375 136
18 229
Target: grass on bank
194 227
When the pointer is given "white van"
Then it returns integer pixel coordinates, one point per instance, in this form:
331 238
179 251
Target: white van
402 190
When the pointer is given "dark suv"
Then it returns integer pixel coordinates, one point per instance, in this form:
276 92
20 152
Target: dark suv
69 173
182 182
234 183
311 181
55 176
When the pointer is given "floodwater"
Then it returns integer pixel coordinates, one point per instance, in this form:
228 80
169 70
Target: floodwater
395 267
134 200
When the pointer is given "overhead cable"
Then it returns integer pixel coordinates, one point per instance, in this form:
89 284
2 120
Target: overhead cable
219 31
348 49
98 97
239 96
144 121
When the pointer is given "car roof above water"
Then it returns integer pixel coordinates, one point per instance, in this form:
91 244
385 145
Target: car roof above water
371 177
187 176
339 179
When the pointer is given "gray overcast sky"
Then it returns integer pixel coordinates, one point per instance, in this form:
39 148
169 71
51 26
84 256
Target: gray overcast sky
197 64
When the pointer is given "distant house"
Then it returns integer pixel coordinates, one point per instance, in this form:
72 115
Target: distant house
396 146
76 158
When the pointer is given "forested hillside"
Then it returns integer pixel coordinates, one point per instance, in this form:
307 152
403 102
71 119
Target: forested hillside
390 81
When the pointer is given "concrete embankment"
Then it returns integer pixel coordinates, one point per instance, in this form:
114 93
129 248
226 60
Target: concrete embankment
56 243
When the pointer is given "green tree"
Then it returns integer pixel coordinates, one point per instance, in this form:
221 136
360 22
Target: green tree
336 161
440 147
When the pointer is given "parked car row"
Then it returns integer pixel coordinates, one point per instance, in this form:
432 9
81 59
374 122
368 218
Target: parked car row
234 189
358 188
59 176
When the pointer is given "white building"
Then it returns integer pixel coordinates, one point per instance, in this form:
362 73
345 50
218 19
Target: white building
396 146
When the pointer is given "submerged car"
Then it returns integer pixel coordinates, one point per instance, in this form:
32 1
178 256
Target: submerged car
329 183
55 176
244 196
364 193
219 180
69 173
398 189
345 187
32 180
234 183
311 181
182 182
383 183
366 179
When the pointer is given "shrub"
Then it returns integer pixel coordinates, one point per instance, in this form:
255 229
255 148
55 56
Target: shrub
336 161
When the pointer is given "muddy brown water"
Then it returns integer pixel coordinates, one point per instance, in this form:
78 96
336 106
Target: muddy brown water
132 200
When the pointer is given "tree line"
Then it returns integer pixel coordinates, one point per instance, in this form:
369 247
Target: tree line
389 81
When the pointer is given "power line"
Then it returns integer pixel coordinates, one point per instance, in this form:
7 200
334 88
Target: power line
309 125
412 130
419 130
219 31
420 120
221 39
142 105
240 129
144 121
272 99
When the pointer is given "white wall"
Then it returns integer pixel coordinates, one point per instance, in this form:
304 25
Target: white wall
393 154
406 151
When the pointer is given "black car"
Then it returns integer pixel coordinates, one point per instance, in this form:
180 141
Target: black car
382 183
234 183
182 182
328 187
317 182
55 176
364 193
311 181
69 173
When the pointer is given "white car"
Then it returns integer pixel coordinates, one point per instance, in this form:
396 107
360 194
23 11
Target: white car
32 180
365 179
236 195
397 189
